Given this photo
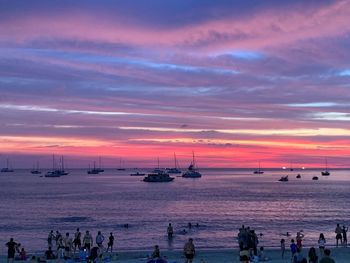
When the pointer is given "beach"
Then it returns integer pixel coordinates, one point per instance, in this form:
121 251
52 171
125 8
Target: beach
340 255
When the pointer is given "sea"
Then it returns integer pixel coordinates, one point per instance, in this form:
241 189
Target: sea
219 202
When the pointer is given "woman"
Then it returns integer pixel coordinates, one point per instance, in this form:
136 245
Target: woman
321 244
313 258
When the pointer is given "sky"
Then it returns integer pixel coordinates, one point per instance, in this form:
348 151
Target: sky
235 82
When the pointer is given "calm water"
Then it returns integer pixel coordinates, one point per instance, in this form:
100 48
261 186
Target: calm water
220 202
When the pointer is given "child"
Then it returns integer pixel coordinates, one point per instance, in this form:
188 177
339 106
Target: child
293 248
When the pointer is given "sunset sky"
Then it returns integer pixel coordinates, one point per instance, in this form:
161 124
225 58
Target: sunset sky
234 81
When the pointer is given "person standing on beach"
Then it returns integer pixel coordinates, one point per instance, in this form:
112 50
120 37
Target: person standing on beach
11 250
87 241
99 239
67 246
77 240
170 231
110 242
189 251
345 238
50 238
326 258
321 244
338 231
283 247
299 239
293 248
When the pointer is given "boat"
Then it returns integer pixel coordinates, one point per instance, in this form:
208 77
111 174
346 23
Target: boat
99 168
315 178
298 176
160 177
36 170
174 170
93 170
7 169
291 167
283 179
120 166
259 171
192 170
57 172
137 174
326 171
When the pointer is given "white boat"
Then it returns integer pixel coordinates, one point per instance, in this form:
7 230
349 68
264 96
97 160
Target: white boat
160 177
57 172
259 171
7 169
326 171
174 170
192 171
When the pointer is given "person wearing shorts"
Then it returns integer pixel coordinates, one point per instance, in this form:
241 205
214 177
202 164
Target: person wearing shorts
189 251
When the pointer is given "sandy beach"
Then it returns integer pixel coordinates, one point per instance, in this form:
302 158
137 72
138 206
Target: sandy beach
340 255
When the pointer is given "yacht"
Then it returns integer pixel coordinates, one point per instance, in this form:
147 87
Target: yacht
326 171
283 179
174 170
94 170
57 172
121 168
259 171
7 169
159 177
36 170
192 170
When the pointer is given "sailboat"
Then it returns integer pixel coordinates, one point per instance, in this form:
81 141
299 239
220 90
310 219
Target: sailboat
259 171
36 170
120 166
7 169
192 170
175 169
157 170
326 171
56 172
99 169
94 170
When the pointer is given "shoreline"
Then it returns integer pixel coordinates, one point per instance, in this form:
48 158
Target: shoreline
340 255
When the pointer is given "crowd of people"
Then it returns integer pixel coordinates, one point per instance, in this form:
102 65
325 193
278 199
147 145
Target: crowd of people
90 249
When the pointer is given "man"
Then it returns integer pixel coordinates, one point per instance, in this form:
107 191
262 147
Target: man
77 240
189 251
99 239
338 231
50 238
11 250
326 258
110 242
87 241
170 231
67 246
